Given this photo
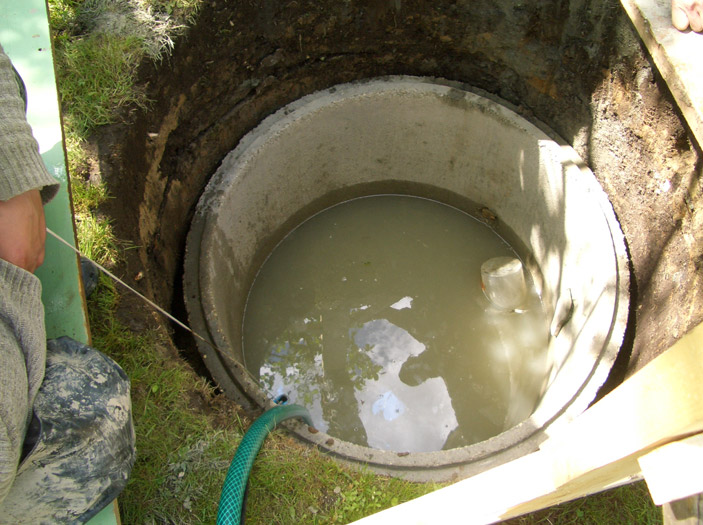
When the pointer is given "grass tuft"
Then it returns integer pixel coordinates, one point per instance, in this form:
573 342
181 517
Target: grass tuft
96 239
182 457
292 483
87 197
629 504
99 46
97 75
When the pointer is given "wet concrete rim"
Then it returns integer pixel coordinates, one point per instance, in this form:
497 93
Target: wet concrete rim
518 440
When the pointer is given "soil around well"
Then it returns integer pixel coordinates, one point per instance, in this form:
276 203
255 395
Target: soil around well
578 67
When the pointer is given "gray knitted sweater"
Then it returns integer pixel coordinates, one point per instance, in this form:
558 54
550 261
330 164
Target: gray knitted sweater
22 334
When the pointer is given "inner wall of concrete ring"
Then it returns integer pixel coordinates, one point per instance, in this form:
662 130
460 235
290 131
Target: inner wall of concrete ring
441 140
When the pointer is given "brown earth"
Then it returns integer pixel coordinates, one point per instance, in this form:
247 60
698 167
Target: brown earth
576 66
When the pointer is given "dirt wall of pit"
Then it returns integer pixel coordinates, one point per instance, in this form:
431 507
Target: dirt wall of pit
576 66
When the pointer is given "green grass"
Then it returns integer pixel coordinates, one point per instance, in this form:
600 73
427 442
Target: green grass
87 197
180 454
97 75
308 487
96 239
99 45
626 505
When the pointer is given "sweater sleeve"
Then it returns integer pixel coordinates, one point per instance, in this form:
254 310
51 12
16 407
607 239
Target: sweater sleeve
22 362
22 332
21 166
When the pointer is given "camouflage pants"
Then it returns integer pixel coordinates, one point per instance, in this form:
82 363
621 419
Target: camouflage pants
79 449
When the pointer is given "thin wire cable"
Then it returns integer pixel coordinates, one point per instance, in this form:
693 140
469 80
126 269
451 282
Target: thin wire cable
159 309
117 279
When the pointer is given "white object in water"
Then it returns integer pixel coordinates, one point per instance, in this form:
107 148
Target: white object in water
503 282
405 302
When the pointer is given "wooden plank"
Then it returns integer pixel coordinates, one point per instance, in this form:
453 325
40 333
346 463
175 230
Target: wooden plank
687 511
659 404
676 55
674 471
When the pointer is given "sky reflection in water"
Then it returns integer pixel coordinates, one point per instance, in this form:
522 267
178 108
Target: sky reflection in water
394 414
371 315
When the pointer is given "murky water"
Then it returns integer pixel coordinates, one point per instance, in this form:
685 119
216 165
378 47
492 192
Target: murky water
371 315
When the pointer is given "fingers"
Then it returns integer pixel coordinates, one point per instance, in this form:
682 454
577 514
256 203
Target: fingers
695 19
679 18
687 13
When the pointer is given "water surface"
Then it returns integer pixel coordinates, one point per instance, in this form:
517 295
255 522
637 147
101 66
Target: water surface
371 315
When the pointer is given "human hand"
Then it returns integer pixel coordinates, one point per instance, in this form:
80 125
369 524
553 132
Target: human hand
23 230
685 13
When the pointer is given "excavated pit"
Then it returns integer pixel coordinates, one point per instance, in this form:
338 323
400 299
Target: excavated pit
434 140
578 68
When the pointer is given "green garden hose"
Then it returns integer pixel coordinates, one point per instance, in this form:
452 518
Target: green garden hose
229 511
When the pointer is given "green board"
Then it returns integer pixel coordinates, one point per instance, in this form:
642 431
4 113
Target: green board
25 37
24 34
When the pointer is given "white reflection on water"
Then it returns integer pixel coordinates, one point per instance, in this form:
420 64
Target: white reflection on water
397 416
298 374
405 302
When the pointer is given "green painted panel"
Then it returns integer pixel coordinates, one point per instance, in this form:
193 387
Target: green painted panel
24 33
105 517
